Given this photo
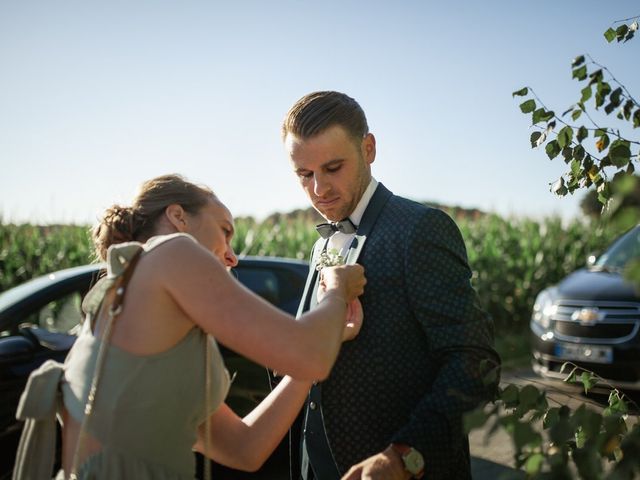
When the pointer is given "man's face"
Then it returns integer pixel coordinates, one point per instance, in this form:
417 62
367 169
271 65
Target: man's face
334 169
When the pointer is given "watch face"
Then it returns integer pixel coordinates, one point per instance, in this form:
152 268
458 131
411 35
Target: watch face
413 461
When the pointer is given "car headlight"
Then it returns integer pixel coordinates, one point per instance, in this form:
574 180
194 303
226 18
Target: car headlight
544 308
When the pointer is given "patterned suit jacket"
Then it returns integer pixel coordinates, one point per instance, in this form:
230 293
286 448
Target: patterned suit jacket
421 358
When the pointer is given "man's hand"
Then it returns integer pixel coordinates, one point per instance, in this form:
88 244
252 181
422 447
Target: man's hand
385 465
354 320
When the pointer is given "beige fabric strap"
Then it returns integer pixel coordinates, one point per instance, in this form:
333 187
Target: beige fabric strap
126 265
38 407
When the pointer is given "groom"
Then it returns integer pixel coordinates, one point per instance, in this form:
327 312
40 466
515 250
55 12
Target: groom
393 404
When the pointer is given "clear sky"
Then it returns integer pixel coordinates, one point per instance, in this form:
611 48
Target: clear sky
96 97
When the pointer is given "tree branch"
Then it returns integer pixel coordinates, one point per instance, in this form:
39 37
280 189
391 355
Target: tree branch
615 80
625 20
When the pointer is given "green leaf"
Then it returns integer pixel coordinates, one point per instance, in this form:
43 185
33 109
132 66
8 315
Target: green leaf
615 96
529 395
552 149
580 73
579 153
588 380
534 464
636 118
520 93
620 153
600 132
535 137
541 115
587 163
579 60
602 91
510 396
626 110
528 106
610 35
551 418
561 431
576 115
475 419
576 166
621 31
565 136
586 93
595 76
524 435
567 153
582 134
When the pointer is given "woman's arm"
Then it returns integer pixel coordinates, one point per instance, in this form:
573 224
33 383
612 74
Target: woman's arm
247 442
244 322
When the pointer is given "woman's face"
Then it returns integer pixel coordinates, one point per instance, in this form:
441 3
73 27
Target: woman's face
213 227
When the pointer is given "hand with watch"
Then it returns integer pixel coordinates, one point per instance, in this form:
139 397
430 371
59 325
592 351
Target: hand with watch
412 459
396 462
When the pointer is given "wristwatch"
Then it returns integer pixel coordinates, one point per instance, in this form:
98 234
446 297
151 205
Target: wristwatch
412 459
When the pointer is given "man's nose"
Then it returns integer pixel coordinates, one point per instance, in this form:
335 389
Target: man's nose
320 185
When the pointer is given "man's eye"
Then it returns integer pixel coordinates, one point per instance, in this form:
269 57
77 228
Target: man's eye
305 174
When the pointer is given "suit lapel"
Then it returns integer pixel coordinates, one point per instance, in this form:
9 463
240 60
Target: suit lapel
379 199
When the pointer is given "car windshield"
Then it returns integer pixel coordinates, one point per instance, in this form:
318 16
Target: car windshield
625 249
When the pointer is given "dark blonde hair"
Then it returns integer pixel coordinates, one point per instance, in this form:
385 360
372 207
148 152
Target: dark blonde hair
137 222
317 111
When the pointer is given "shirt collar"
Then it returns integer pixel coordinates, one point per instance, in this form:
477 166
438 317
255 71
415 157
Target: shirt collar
358 212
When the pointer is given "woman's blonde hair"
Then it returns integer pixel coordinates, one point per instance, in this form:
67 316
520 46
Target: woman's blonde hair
137 222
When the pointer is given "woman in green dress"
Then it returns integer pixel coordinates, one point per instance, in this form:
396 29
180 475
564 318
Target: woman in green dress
144 384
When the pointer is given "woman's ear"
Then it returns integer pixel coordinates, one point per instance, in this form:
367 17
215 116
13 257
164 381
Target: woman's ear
176 216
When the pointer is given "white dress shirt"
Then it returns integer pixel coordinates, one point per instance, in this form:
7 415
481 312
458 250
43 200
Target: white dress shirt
341 241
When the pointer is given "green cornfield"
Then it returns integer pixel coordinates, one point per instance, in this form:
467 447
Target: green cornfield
511 259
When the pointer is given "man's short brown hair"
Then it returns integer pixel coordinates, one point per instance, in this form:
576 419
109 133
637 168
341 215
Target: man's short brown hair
317 111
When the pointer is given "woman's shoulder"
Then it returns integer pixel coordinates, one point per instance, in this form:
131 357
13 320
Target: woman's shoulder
158 240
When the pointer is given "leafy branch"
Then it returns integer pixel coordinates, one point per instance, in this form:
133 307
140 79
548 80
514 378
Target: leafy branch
624 32
581 440
613 149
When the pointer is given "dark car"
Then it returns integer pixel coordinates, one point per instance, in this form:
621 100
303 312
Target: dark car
39 320
592 318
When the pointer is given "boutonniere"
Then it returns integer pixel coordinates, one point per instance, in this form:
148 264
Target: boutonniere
329 258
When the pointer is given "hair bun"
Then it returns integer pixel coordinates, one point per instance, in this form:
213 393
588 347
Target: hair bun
116 226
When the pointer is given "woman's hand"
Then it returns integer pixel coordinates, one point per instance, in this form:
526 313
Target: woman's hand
347 281
354 320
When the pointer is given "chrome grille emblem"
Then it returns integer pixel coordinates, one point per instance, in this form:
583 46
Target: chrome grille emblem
587 316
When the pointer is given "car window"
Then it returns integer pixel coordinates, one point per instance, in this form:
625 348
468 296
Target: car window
622 252
261 281
60 316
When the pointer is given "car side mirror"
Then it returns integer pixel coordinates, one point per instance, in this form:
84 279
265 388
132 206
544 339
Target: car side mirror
591 260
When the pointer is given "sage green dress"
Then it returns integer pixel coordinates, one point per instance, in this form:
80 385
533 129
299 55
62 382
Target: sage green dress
147 407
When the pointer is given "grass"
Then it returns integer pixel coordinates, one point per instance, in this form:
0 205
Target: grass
514 349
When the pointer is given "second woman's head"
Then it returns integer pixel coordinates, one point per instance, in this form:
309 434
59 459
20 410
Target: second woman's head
169 204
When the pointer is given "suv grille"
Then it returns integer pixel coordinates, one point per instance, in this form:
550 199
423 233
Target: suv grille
608 322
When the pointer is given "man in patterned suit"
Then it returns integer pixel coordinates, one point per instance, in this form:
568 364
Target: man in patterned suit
393 404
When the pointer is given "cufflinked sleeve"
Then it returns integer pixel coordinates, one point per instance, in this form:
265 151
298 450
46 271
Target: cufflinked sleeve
459 337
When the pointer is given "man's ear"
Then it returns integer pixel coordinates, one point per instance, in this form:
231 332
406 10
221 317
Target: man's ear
368 148
175 214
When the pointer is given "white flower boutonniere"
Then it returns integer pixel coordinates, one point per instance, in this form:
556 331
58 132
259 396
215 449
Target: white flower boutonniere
329 258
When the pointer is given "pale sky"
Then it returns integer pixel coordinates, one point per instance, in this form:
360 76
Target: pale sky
96 97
